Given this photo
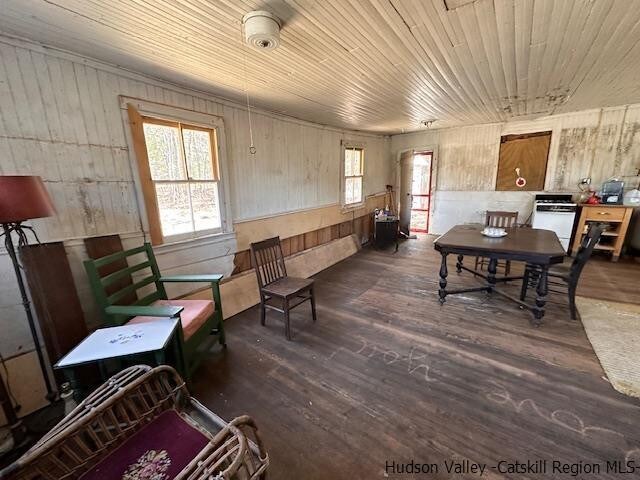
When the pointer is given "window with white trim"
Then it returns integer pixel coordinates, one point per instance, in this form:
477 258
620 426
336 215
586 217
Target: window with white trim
353 176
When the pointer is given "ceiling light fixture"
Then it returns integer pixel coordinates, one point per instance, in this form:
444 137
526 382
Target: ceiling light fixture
261 30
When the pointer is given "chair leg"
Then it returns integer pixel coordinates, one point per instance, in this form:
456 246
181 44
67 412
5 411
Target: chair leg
221 337
572 302
287 326
477 261
525 284
507 268
313 305
263 313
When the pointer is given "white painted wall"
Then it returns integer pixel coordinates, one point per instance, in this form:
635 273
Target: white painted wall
594 143
60 118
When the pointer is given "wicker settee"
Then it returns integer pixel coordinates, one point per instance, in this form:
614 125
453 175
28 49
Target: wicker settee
143 424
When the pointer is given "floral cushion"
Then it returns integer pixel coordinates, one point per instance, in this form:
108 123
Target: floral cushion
159 451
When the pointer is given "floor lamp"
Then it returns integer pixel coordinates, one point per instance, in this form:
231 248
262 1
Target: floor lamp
22 198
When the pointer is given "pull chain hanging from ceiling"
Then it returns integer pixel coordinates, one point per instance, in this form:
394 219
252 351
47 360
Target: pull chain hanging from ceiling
252 148
262 32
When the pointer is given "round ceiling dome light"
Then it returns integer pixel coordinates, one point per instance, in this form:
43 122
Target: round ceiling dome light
261 30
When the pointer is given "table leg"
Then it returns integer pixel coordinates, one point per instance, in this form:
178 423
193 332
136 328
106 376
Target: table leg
541 290
443 278
104 371
160 357
459 263
491 277
179 356
70 374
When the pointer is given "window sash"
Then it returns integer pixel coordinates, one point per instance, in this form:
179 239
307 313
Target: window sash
213 150
215 180
357 172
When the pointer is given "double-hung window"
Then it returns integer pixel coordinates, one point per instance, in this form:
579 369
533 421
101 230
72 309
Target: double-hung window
185 177
353 176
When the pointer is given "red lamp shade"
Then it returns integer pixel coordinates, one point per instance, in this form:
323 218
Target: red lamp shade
22 198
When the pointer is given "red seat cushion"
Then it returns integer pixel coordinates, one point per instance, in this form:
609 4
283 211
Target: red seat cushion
159 450
195 313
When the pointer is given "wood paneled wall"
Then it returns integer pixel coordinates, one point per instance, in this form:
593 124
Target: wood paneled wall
594 143
361 226
61 119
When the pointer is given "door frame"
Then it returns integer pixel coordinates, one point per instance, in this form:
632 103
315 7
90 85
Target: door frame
428 195
433 180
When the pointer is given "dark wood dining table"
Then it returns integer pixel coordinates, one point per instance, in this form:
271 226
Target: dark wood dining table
530 245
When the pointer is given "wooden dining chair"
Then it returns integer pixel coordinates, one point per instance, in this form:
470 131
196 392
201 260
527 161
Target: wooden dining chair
565 275
275 285
498 219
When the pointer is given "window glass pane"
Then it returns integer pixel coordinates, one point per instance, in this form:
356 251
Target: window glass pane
348 191
353 190
348 163
357 189
197 149
175 212
206 206
357 162
163 150
421 203
421 174
418 220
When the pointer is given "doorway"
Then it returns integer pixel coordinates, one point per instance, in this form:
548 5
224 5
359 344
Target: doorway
415 190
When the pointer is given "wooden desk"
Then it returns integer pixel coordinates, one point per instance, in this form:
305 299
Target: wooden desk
538 247
617 217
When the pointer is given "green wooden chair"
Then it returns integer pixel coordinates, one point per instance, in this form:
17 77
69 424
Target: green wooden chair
123 297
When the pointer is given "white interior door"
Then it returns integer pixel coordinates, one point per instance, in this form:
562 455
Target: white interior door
406 199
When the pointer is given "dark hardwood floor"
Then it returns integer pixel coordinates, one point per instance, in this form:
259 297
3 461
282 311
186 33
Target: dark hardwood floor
387 374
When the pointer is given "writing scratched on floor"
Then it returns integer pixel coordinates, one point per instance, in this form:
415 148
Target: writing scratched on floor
563 418
414 361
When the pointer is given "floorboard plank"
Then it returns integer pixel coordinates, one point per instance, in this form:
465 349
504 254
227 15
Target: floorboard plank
387 374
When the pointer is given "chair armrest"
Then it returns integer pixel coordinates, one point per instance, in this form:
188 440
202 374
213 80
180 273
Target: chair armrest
208 278
136 310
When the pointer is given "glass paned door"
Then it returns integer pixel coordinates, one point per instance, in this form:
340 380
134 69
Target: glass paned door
421 192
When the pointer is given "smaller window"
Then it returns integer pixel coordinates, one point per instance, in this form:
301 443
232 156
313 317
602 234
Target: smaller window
353 176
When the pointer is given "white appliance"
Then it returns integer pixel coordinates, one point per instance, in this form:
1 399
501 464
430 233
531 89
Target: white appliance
555 212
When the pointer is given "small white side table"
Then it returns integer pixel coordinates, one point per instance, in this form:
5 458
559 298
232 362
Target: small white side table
125 341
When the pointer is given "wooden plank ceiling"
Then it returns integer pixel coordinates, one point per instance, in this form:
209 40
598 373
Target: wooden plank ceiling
375 65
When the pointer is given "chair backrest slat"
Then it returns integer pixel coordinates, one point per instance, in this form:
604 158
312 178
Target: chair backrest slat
501 219
115 276
268 261
148 283
149 299
102 261
120 294
583 254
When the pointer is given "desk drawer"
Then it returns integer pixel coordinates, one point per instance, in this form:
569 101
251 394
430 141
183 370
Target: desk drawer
605 214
